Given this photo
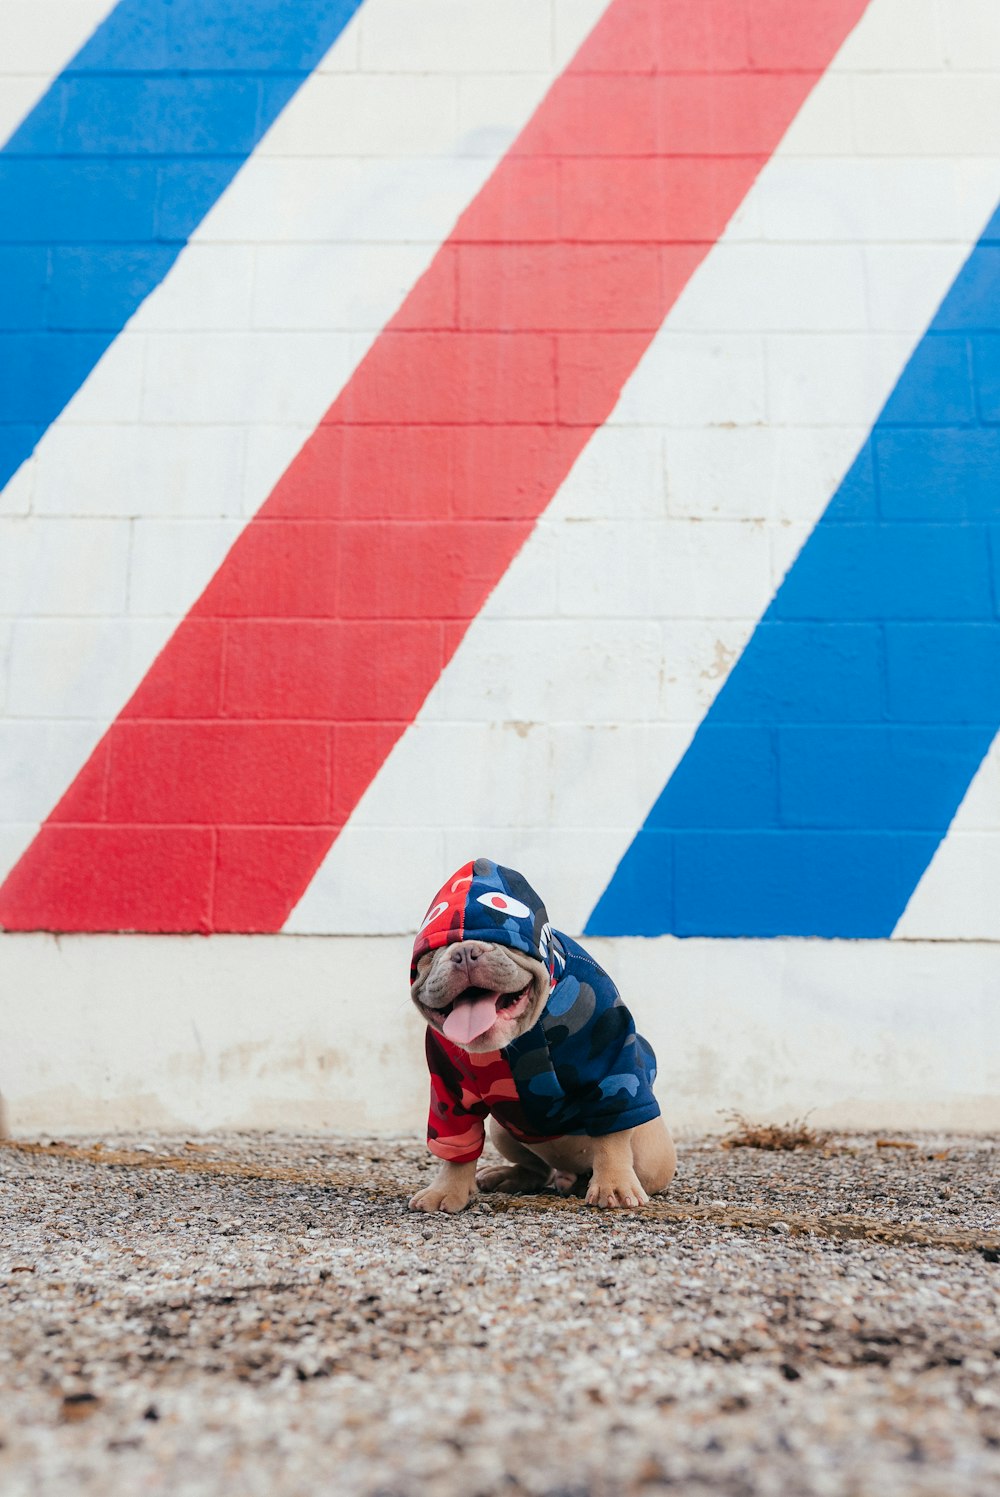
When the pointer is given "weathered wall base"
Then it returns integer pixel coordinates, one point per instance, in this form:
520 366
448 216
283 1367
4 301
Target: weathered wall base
117 1032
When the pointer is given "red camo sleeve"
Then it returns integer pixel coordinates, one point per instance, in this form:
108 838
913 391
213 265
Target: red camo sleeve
455 1125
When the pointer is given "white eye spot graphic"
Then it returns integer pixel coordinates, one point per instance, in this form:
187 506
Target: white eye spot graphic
505 903
432 914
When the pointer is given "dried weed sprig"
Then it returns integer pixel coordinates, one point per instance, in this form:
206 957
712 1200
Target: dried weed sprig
796 1134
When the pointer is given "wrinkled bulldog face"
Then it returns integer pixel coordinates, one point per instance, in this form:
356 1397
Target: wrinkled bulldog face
479 994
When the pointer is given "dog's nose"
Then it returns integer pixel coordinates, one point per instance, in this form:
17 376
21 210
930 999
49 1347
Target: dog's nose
464 956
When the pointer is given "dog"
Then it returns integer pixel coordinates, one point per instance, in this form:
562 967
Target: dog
525 1028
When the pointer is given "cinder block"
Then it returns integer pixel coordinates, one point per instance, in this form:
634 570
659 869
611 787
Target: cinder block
723 114
754 472
559 287
434 569
34 755
350 894
368 114
895 36
330 671
972 304
494 108
521 202
357 754
314 286
97 287
874 776
774 883
454 377
935 388
641 899
824 125
185 681
79 667
211 290
658 200
794 288
667 569
943 673
173 560
23 273
696 658
507 34
612 664
890 571
971 35
63 567
112 390
807 672
600 774
956 901
259 872
594 116
127 470
58 201
40 36
831 379
187 188
192 773
932 473
799 40
694 379
497 774
121 114
865 200
947 115
731 780
986 367
618 472
42 369
899 274
221 379
643 36
156 878
572 21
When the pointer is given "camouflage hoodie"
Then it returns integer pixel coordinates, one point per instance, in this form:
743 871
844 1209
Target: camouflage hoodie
581 1068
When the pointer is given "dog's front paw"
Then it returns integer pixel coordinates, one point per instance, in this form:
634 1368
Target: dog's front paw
452 1189
619 1189
441 1198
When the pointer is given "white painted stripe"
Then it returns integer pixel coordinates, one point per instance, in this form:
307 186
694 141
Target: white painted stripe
958 898
259 324
37 40
848 1031
594 660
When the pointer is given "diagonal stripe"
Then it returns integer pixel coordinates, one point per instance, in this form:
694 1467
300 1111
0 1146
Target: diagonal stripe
581 683
211 801
832 762
104 182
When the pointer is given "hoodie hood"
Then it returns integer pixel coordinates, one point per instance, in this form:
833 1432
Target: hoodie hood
484 901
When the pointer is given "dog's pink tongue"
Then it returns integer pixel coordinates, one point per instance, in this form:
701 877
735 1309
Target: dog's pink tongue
468 1020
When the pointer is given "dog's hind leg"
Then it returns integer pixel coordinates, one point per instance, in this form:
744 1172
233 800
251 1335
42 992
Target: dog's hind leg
524 1174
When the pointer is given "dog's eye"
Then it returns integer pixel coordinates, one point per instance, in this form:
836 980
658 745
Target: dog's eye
432 914
505 903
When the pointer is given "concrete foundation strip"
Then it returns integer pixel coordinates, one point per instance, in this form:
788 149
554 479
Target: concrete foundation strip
843 1225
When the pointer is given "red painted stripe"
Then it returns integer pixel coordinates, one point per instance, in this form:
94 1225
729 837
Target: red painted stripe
212 800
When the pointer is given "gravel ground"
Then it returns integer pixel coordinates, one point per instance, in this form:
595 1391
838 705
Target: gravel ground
261 1315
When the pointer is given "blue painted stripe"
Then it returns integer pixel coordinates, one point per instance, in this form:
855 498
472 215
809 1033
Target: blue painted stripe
823 778
106 179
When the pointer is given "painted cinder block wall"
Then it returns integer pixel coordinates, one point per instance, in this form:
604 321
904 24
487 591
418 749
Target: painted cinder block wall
555 429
